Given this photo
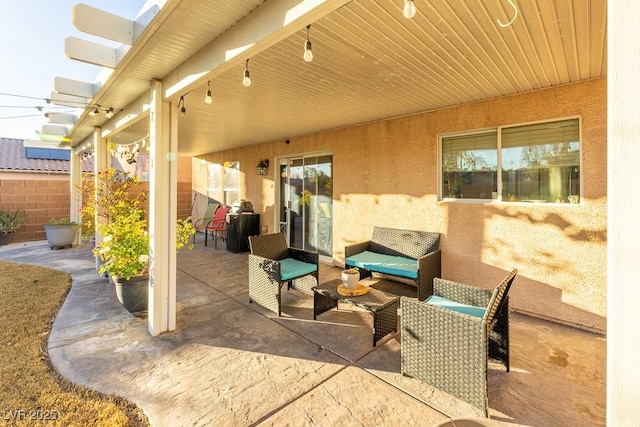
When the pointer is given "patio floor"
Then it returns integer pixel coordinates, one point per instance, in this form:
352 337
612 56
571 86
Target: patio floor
230 362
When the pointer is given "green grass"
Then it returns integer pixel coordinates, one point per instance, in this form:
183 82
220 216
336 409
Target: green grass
31 391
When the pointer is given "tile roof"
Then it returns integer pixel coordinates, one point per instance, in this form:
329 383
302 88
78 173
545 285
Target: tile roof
13 158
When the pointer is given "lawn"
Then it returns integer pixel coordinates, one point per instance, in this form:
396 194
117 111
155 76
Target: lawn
31 391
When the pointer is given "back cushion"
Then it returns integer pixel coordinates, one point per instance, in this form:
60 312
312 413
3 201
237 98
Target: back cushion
407 243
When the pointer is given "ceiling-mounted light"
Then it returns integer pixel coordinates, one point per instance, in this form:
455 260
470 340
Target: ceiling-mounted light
409 10
246 80
47 117
183 109
308 54
208 98
94 112
109 113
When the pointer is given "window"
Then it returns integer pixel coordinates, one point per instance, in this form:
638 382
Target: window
528 163
224 182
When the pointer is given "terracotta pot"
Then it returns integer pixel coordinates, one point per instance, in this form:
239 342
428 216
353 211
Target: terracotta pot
133 294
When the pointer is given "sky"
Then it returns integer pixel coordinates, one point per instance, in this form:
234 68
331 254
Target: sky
32 34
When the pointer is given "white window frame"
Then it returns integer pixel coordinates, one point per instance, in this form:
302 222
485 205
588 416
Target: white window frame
498 130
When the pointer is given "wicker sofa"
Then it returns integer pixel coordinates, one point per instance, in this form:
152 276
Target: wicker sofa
400 254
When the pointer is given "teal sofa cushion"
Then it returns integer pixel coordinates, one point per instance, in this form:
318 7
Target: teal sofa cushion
456 306
387 264
400 266
367 260
291 268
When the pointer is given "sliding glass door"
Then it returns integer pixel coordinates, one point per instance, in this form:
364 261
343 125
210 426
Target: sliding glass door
306 202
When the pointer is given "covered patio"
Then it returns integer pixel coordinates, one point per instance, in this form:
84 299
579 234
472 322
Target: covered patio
378 96
233 363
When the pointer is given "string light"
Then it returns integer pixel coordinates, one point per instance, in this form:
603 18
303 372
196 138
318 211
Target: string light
409 10
208 98
183 109
308 54
246 80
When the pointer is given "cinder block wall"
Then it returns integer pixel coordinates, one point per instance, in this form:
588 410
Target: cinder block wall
43 198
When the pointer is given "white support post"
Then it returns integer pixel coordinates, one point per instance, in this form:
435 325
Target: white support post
162 213
75 183
623 273
101 161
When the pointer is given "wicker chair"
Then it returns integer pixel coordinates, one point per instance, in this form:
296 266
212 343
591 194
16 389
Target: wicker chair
272 263
448 339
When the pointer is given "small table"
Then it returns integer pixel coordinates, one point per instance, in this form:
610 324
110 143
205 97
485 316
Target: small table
382 305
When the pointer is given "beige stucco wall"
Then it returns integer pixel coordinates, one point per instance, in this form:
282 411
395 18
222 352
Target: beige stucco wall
385 173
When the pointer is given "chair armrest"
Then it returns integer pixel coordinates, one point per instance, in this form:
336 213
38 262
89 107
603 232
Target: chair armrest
429 267
459 292
356 248
305 256
265 267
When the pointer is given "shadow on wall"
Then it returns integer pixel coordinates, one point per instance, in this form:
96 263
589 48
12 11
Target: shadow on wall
562 259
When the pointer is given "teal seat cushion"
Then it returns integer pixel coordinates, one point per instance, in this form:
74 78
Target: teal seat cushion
291 268
456 306
368 260
400 266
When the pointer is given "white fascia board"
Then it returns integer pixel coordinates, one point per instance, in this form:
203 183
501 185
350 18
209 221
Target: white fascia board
89 52
265 26
134 112
69 100
75 87
103 24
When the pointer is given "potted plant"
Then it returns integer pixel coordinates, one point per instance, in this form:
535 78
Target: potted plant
61 232
350 278
124 251
106 195
10 222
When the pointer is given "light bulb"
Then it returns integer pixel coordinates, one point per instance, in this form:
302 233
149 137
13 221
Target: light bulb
208 99
308 54
183 112
246 80
409 10
93 112
109 113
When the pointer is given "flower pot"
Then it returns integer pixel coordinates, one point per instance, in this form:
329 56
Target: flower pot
133 294
5 239
350 278
60 236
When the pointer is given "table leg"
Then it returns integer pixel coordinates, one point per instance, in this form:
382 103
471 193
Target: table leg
385 321
322 304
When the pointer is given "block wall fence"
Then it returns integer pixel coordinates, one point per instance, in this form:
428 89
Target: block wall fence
49 197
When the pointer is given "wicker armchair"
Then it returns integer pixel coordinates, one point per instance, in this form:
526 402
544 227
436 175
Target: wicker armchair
272 263
448 339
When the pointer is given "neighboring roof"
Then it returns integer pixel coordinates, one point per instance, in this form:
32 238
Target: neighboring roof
13 158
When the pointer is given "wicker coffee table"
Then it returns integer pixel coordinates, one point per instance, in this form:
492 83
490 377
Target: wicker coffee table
382 305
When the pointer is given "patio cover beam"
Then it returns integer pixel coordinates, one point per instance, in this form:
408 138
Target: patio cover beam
267 25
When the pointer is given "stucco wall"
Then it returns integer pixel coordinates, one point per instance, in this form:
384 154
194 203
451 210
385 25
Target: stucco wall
385 173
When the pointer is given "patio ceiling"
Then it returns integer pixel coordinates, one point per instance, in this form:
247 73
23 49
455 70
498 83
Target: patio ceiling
369 63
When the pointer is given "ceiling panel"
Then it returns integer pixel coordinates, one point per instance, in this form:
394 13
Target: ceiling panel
369 63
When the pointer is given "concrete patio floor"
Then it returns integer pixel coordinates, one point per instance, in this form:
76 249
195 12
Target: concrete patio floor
232 363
